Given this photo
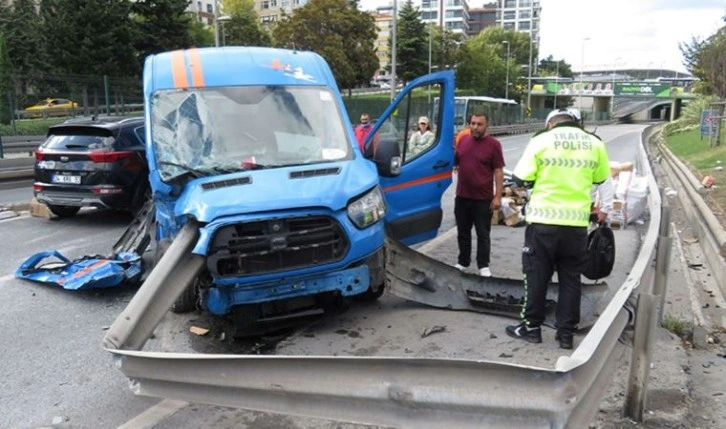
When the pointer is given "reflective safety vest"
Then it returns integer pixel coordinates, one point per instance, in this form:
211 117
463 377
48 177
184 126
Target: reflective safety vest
563 162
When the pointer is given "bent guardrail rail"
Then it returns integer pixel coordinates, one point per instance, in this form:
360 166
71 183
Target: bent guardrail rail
389 391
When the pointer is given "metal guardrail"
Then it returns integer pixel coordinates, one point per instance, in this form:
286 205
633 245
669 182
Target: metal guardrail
118 109
21 144
392 391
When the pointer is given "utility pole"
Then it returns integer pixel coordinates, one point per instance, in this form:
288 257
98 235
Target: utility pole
216 23
506 89
393 49
582 67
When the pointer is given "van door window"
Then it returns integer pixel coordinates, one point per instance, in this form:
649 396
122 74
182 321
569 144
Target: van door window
415 124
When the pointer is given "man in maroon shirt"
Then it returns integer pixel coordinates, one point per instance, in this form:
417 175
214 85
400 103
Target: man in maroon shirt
480 162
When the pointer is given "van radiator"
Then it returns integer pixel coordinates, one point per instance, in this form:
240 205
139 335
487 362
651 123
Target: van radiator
276 245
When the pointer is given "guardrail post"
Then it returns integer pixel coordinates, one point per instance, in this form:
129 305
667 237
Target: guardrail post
663 257
2 155
645 318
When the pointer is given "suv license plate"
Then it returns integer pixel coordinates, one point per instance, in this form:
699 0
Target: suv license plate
59 178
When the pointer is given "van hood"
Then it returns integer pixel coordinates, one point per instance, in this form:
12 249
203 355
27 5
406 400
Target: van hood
329 185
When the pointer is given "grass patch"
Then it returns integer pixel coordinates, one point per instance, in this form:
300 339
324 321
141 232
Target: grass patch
29 127
703 160
677 326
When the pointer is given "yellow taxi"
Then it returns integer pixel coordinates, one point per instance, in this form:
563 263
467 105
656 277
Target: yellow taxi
51 107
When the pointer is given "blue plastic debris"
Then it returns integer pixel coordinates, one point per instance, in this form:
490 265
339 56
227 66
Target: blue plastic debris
89 272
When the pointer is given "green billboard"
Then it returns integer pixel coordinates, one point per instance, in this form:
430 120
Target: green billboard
642 89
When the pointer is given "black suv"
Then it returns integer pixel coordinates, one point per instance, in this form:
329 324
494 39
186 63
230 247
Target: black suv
92 163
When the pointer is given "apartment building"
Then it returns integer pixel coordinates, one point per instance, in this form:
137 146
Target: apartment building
204 9
451 15
520 15
270 11
481 18
384 22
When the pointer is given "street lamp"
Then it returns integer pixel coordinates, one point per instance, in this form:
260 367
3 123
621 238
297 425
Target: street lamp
582 67
533 13
612 100
557 84
506 89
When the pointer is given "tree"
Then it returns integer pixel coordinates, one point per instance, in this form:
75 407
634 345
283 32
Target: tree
712 60
25 43
244 28
200 34
163 25
6 85
483 64
411 42
93 37
551 67
339 32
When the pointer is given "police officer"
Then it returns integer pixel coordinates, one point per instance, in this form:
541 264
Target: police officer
560 165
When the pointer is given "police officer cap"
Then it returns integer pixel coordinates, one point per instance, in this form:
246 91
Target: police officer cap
559 112
575 113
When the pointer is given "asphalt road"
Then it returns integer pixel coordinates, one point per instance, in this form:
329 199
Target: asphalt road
54 369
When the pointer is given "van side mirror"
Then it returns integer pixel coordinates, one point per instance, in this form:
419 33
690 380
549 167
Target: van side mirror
388 158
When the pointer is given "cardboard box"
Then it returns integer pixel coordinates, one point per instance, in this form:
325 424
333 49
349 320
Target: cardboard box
39 210
496 217
513 219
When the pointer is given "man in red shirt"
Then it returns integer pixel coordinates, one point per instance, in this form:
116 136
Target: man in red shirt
362 130
480 163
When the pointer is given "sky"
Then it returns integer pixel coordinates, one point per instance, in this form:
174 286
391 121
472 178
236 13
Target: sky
609 34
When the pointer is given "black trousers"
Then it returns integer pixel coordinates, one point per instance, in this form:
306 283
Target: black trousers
548 248
476 213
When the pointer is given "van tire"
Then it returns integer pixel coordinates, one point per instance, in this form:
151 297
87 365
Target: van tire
372 294
187 301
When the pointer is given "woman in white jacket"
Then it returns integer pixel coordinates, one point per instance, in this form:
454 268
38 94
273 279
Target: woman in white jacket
422 138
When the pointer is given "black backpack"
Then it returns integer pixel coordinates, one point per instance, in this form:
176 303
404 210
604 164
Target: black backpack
600 253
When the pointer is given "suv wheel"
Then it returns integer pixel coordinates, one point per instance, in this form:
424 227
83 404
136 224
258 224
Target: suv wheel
63 211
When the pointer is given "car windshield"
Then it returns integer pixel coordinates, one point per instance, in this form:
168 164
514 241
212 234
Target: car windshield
221 130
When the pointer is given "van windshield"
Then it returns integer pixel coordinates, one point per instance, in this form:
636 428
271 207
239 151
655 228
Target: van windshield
213 131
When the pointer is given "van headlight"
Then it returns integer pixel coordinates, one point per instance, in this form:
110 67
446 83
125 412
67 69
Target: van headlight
368 209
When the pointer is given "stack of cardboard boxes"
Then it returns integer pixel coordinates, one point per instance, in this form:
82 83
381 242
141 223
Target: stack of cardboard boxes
513 200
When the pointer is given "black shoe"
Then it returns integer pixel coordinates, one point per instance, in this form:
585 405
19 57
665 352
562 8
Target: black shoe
565 340
522 332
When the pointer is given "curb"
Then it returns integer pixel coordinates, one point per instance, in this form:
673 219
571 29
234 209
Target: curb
16 207
704 224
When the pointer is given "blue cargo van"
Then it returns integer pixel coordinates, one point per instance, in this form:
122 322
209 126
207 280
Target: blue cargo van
253 150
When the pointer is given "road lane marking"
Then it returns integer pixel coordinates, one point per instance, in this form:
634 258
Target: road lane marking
152 416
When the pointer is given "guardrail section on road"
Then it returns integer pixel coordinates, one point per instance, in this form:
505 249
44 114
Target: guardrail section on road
398 391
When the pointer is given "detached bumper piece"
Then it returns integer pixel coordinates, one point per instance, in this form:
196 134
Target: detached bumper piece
124 266
416 277
88 272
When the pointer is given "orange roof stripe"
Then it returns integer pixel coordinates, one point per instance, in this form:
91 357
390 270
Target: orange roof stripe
179 70
195 64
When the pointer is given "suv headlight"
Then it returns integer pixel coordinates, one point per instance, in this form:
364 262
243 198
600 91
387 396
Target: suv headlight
368 209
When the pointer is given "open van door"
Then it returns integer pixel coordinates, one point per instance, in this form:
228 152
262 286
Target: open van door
415 169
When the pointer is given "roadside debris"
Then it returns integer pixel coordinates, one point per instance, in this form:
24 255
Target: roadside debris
88 272
709 181
433 330
196 330
123 266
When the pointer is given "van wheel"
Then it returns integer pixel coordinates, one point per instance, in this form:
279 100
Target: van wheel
187 301
141 196
372 294
63 211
